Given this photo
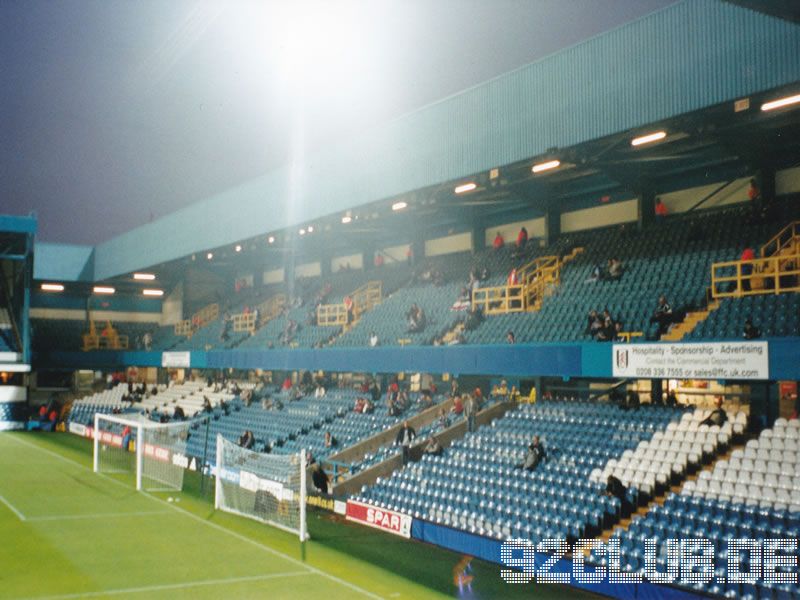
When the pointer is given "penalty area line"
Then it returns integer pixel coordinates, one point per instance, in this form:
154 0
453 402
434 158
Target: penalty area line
220 528
11 507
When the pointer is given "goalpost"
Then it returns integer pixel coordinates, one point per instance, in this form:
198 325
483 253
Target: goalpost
269 488
131 445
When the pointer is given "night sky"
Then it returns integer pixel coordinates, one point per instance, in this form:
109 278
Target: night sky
115 112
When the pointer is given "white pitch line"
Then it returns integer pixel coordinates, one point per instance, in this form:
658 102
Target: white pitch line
172 586
238 536
20 516
142 513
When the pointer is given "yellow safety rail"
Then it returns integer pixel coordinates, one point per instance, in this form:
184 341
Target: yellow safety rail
538 276
535 279
244 322
771 275
500 299
201 318
787 239
108 339
331 314
183 327
364 298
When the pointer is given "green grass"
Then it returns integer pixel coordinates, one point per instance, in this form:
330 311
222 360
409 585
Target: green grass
66 532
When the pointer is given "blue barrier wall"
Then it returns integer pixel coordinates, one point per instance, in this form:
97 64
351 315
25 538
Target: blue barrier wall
592 360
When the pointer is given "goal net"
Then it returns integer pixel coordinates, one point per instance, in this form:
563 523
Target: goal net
146 449
266 487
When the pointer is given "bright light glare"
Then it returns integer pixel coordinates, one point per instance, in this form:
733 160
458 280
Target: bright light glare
210 255
52 287
650 137
546 166
99 289
153 292
399 205
310 229
346 219
302 232
144 276
780 103
271 239
466 187
238 248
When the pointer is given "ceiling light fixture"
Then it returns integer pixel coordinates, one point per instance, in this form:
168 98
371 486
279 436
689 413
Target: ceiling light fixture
546 166
649 138
465 187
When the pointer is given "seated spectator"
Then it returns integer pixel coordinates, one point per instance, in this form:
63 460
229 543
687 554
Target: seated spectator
444 420
373 339
330 441
207 408
458 405
360 404
662 315
614 269
247 440
718 416
751 332
474 318
510 337
319 392
631 401
536 454
618 337
594 323
178 414
425 399
498 242
433 447
607 332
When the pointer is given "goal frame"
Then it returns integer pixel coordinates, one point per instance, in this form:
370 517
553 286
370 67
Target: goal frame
218 493
137 425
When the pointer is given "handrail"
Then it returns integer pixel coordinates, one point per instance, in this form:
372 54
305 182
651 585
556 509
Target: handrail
789 236
500 299
363 299
244 322
771 275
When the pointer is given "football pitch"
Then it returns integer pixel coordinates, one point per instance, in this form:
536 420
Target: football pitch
66 532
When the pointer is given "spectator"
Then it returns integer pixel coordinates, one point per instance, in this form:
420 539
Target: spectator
247 440
319 478
614 269
499 242
594 323
618 337
513 277
458 405
536 454
330 441
754 195
522 237
126 437
178 414
660 210
433 447
510 337
444 420
607 332
453 388
147 340
319 392
751 332
404 438
662 315
373 339
425 399
718 416
474 318
470 409
207 408
616 489
747 268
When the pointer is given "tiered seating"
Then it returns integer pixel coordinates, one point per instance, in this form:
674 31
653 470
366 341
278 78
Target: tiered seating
105 402
766 473
668 455
773 315
673 258
189 396
475 487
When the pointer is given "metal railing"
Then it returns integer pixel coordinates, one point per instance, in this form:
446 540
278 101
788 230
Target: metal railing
244 322
786 238
329 315
500 299
771 275
363 299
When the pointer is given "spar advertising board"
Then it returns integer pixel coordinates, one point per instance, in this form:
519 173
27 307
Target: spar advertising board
379 518
709 360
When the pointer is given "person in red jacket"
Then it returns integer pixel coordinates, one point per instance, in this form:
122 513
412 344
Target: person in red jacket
747 268
522 237
661 209
499 242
